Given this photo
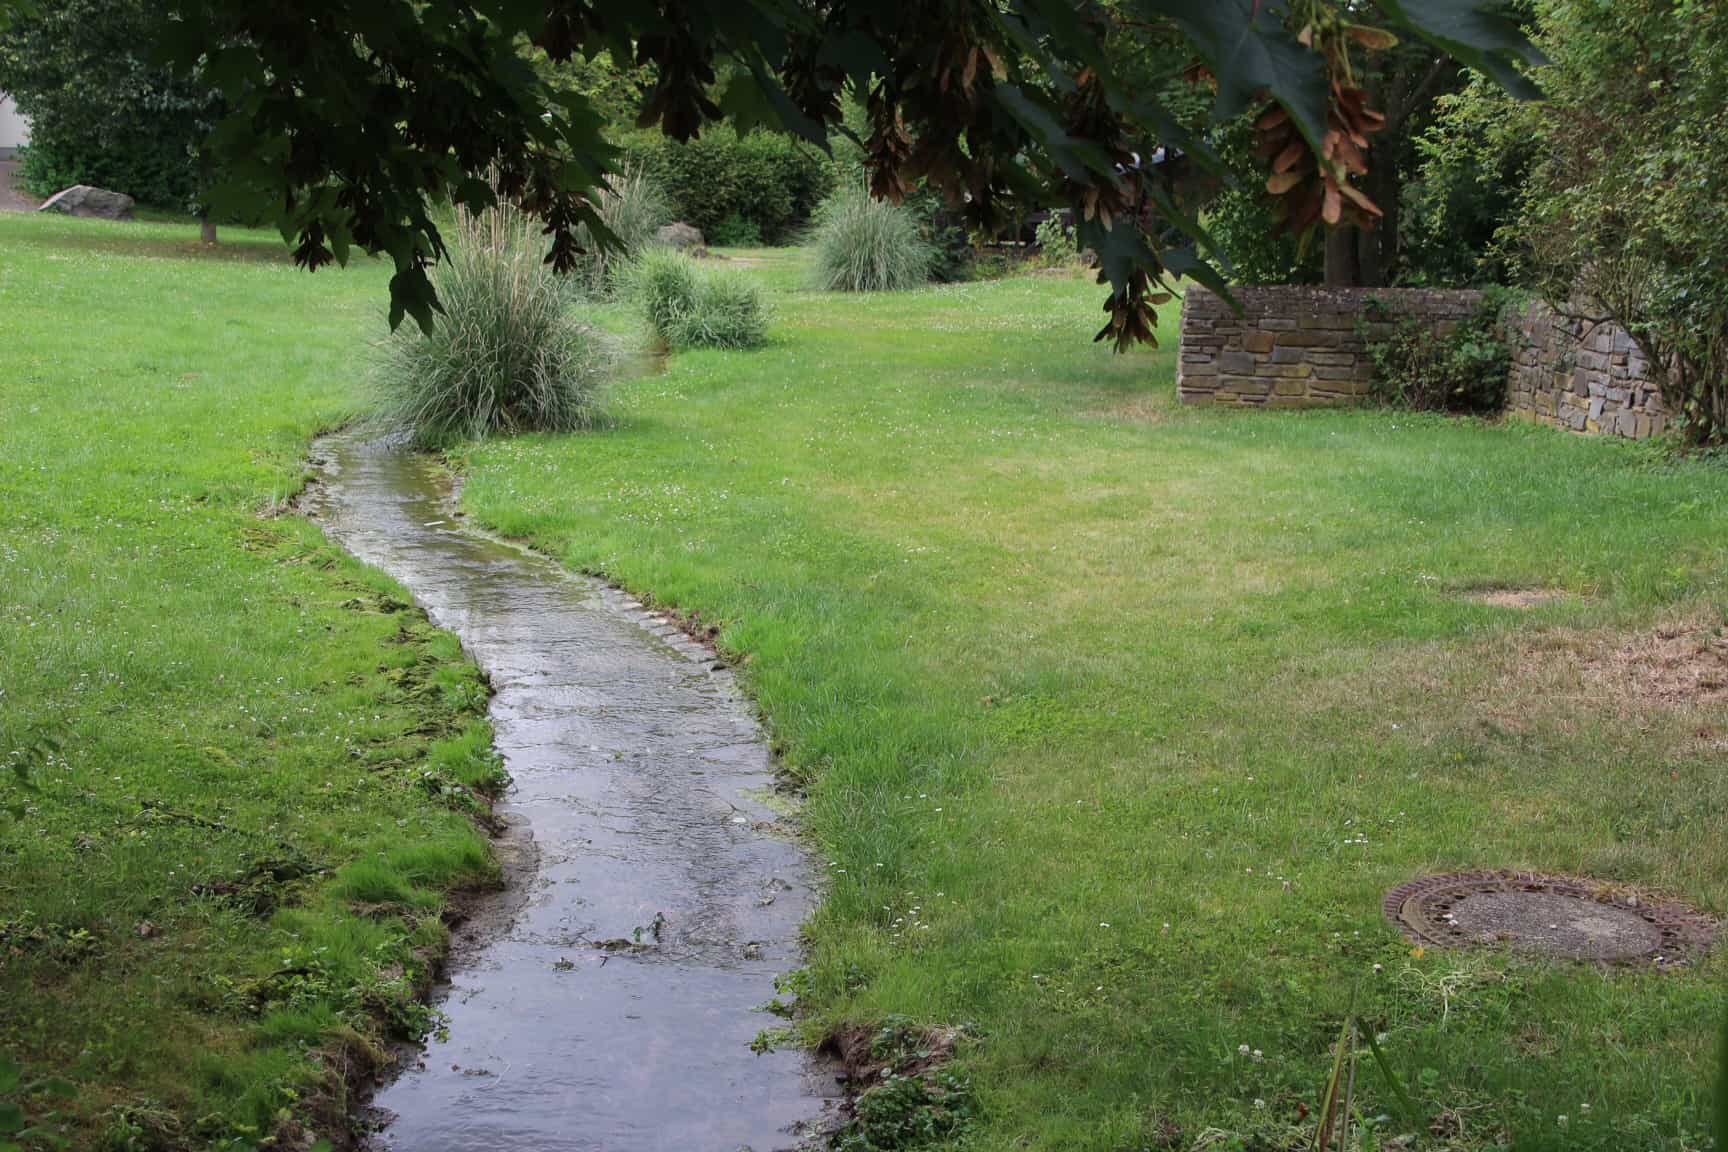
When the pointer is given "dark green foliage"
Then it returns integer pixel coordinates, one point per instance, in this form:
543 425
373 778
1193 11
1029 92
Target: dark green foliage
907 1112
943 231
756 189
1463 372
692 306
350 126
1626 207
99 113
505 355
1241 220
735 232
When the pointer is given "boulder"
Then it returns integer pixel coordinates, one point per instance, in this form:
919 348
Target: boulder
83 200
680 236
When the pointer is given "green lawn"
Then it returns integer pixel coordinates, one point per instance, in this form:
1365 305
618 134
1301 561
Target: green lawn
1117 719
223 892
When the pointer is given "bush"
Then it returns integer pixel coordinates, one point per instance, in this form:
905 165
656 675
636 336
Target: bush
868 245
696 307
944 231
764 180
506 355
1463 372
735 232
1056 242
99 112
1625 214
634 209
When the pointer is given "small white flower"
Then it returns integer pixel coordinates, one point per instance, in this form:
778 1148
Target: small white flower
1259 1103
1242 1050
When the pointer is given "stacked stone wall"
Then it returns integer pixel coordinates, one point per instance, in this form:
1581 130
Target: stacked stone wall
1574 372
1300 347
1295 347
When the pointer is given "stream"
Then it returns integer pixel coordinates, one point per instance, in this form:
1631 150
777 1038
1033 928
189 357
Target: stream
608 1000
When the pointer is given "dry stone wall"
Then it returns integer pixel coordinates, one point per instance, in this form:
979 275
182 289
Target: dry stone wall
1586 375
1294 347
1299 347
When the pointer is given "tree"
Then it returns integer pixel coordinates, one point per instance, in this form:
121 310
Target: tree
351 122
100 111
1625 213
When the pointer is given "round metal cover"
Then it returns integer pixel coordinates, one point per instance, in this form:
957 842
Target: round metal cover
1557 916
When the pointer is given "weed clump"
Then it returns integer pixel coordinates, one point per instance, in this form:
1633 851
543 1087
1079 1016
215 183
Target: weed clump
506 354
696 307
868 245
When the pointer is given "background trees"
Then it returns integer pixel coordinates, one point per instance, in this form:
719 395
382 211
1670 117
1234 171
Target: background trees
349 123
101 112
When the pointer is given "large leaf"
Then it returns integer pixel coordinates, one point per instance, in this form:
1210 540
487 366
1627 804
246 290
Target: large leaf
1472 33
1250 51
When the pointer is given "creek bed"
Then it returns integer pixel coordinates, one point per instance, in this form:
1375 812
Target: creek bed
610 999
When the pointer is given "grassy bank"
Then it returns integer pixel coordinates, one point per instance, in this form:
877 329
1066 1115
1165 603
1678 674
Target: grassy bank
250 764
1118 719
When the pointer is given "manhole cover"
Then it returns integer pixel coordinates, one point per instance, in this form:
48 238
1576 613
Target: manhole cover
1547 916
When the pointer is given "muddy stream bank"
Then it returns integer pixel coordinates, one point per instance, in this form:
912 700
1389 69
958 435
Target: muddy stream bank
609 1000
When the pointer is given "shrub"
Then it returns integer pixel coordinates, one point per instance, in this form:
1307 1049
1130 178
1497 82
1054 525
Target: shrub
634 209
944 231
764 179
868 245
691 306
506 355
735 232
1463 372
1055 240
100 111
1625 214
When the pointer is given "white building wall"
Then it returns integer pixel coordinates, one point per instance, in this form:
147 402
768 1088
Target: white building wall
14 129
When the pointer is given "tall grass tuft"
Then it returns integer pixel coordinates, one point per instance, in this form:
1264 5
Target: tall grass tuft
694 306
506 354
868 245
634 208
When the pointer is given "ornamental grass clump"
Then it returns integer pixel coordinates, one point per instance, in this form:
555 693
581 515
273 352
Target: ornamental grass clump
691 306
634 208
507 354
868 245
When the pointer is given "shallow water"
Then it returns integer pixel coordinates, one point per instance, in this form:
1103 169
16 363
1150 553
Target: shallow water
611 1003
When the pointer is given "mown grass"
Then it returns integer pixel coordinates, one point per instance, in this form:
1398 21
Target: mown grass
254 764
1117 719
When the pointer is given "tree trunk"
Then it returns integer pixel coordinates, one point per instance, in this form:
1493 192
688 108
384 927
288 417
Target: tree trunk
1342 270
206 229
1377 261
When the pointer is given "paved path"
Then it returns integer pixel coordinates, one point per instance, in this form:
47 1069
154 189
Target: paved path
12 198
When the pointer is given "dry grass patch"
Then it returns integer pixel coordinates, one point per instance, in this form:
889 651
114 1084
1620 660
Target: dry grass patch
1675 666
1517 597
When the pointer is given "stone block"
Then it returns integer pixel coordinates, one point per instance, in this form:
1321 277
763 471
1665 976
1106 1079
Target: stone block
1257 341
1290 388
1236 363
1243 386
1206 367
